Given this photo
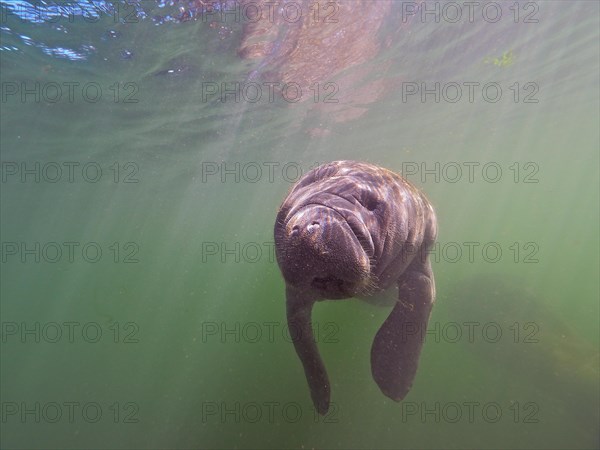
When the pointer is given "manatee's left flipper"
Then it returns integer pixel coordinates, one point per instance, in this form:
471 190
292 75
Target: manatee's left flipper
397 345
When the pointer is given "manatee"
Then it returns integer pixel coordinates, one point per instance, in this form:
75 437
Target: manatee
324 51
352 229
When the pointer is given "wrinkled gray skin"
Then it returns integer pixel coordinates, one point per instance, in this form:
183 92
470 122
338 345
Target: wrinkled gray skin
352 229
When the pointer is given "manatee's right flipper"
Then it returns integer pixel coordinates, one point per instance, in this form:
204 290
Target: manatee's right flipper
397 345
299 308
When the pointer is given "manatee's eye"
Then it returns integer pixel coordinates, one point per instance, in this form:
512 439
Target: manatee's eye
368 199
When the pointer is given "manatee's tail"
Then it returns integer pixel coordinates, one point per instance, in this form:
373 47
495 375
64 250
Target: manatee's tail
397 345
299 309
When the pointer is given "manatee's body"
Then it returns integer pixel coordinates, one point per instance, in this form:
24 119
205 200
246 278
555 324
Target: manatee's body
352 229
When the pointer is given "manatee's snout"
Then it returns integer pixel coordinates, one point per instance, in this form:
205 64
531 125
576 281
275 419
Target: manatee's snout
318 249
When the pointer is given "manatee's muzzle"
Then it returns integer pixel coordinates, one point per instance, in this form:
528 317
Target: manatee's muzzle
323 248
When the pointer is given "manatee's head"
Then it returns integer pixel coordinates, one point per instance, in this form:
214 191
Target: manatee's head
325 248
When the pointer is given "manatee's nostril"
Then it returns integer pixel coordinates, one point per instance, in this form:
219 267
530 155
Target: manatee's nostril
312 226
295 230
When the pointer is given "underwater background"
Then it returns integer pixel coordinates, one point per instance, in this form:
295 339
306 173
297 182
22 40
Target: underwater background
141 304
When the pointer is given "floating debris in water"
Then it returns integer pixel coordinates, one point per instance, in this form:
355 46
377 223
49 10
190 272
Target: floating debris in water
505 60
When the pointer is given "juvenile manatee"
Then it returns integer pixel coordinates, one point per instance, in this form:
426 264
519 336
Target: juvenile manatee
352 229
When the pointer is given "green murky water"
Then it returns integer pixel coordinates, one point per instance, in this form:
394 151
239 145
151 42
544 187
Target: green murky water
141 305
